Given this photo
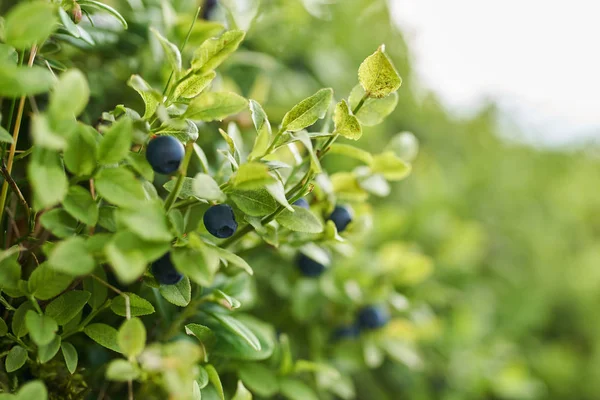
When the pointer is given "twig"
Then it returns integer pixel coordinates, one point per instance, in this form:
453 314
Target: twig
114 289
15 188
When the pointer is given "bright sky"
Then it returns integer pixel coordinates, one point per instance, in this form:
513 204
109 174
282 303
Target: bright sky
539 58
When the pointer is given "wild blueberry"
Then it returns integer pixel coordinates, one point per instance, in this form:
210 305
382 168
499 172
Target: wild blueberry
165 154
341 217
308 266
346 332
302 203
372 317
164 271
220 221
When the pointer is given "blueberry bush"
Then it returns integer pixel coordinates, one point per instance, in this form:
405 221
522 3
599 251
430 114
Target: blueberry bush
189 243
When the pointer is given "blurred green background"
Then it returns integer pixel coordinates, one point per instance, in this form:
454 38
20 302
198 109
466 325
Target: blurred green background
509 310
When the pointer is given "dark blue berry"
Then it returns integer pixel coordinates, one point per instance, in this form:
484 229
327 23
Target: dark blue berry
302 203
208 8
346 332
372 317
220 221
164 271
341 217
165 154
308 266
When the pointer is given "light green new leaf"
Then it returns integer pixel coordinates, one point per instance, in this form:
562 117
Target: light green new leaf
205 187
171 51
308 111
231 258
34 390
82 150
131 337
121 371
15 359
256 203
120 187
70 354
351 151
215 106
295 389
184 130
29 23
41 327
69 96
128 263
24 81
179 294
47 178
44 136
148 222
201 332
137 305
373 111
305 139
378 76
390 166
59 222
194 85
116 142
64 308
252 175
263 130
277 190
10 272
301 220
151 97
81 205
214 51
241 392
71 257
45 282
104 335
346 124
226 300
48 351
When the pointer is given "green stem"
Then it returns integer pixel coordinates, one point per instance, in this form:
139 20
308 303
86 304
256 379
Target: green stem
189 148
35 304
6 304
18 341
360 103
275 139
87 320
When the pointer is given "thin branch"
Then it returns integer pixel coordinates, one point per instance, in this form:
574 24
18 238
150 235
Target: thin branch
114 289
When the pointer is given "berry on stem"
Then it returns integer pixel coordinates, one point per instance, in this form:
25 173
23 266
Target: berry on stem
220 221
308 266
372 317
165 154
341 217
164 271
302 203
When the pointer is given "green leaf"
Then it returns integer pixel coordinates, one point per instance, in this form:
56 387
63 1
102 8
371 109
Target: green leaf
45 282
104 7
71 257
260 379
151 97
140 165
308 111
214 378
213 106
98 291
116 142
47 178
171 51
351 151
238 328
186 189
120 187
81 152
347 187
263 130
41 327
70 354
128 263
18 325
29 23
232 346
377 75
346 124
44 136
226 300
242 393
203 333
195 265
183 130
131 337
104 335
192 86
48 351
405 145
373 111
5 137
69 96
16 358
295 389
277 190
3 328
121 371
179 294
64 308
214 51
255 203
305 139
390 166
67 23
301 220
34 390
8 54
24 81
10 272
81 205
252 175
59 222
205 187
137 305
148 222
